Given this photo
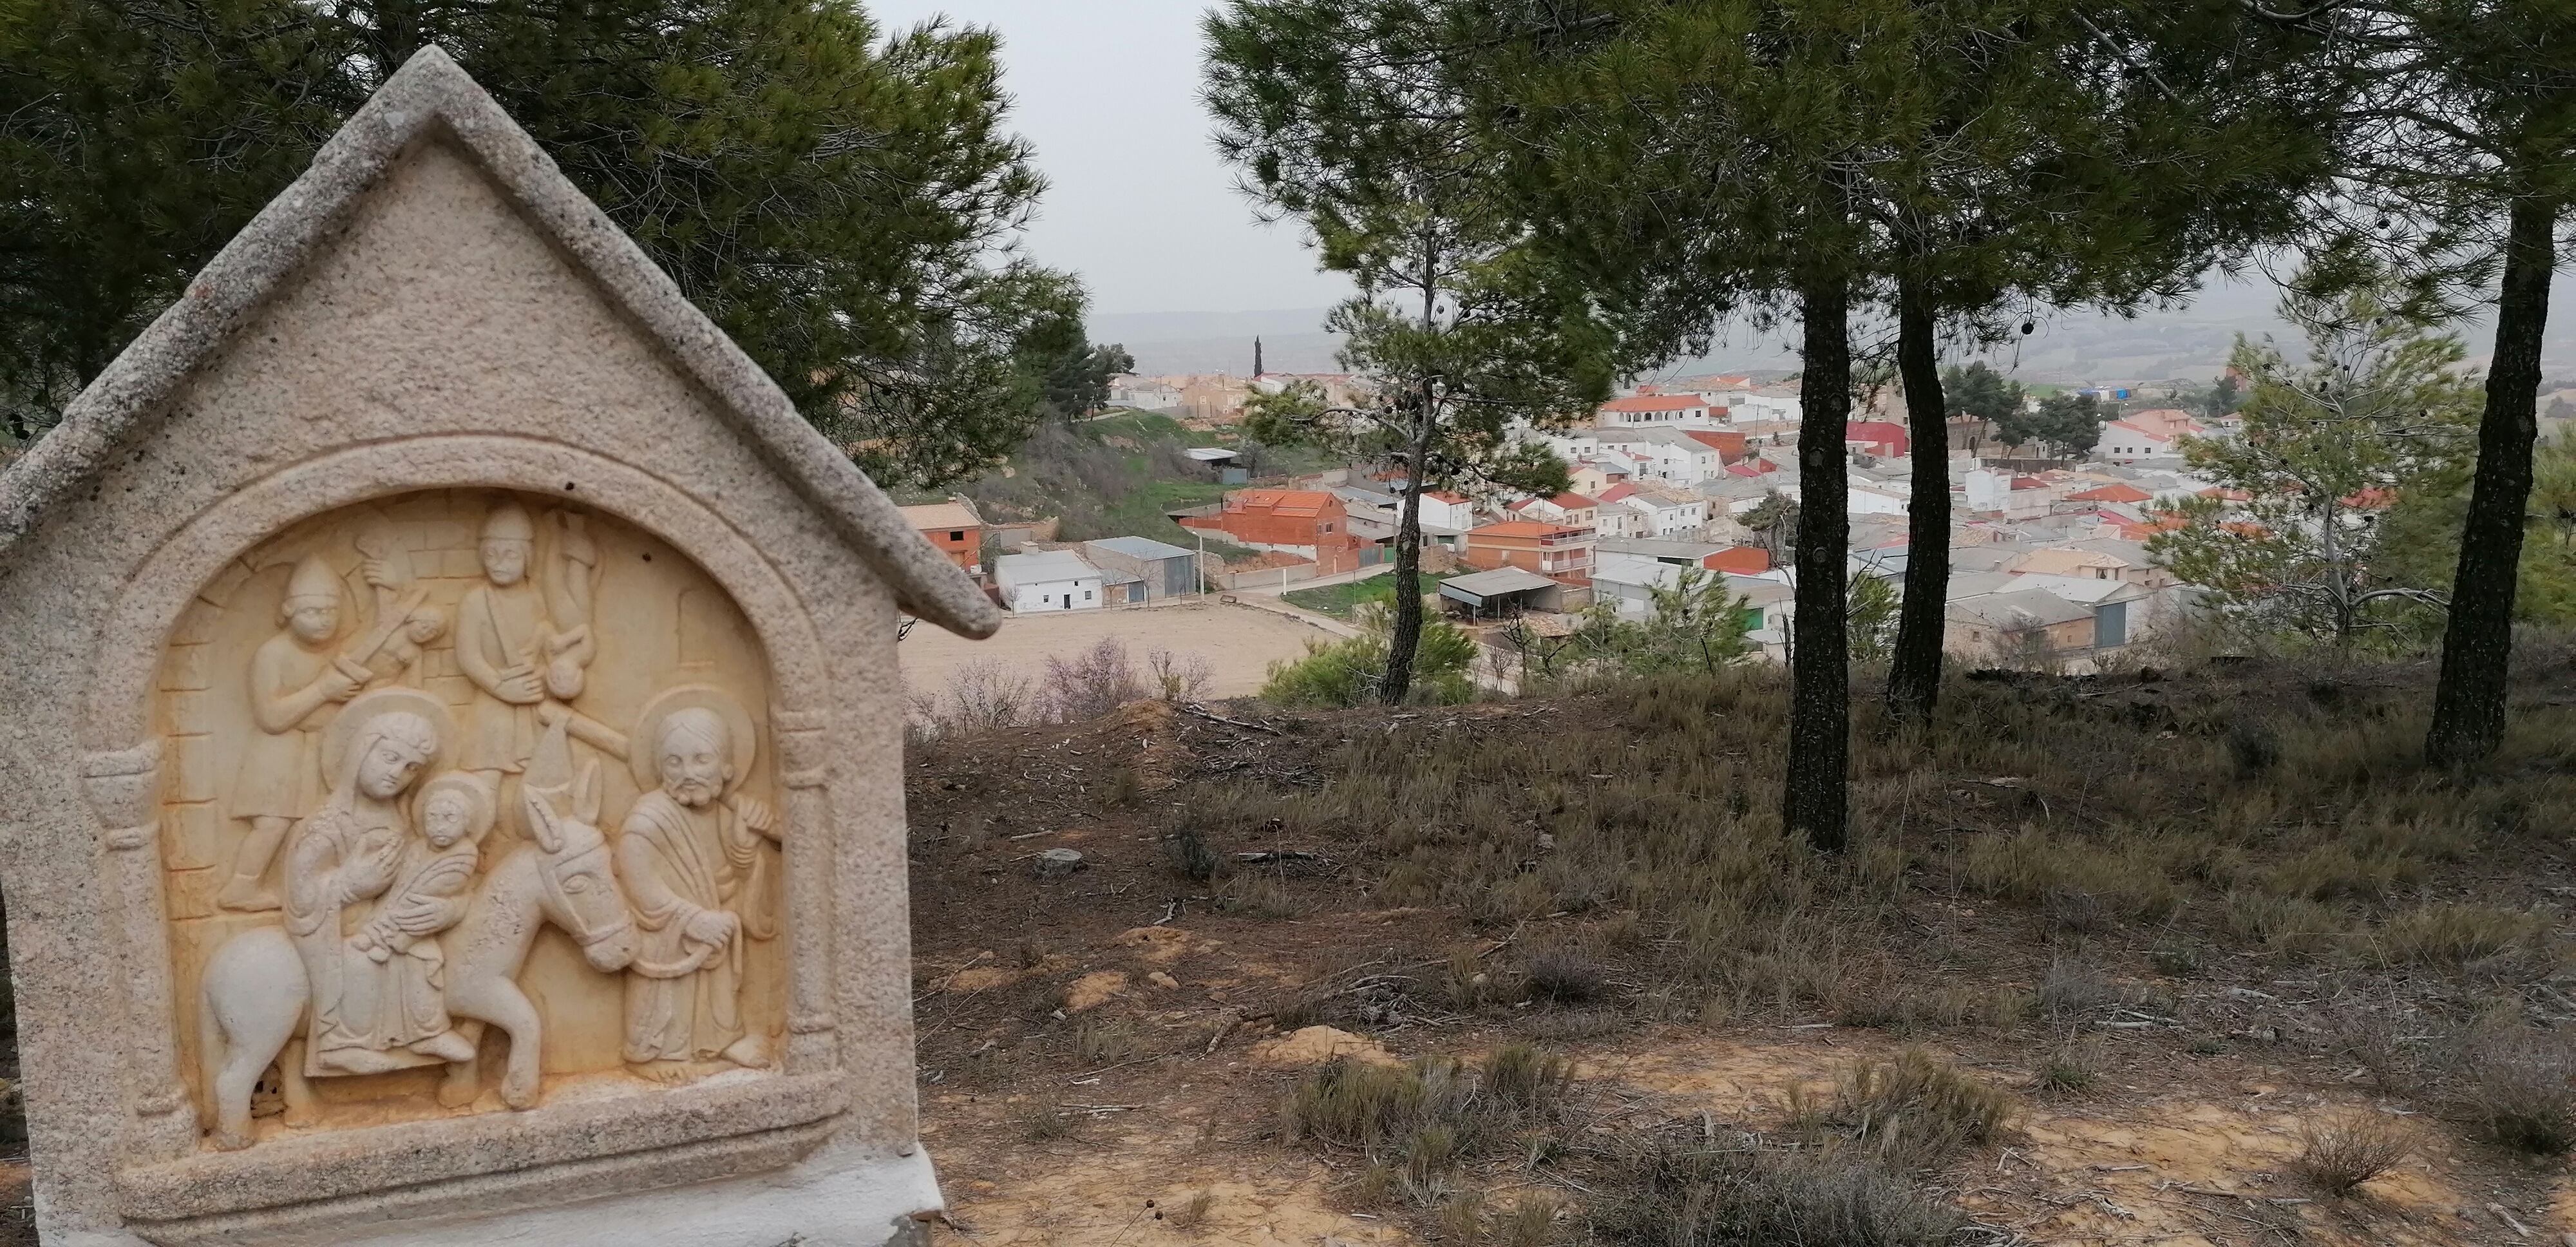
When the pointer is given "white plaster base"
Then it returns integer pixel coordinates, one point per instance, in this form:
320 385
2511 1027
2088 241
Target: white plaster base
824 1201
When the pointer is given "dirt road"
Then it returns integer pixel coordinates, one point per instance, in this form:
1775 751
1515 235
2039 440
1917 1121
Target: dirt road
1238 642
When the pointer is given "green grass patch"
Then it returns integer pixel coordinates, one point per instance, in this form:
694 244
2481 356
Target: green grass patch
1343 600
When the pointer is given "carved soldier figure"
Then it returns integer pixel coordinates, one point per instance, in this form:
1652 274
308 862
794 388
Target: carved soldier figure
693 865
349 851
521 642
295 683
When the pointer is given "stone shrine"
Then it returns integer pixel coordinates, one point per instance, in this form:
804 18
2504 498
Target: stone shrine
453 791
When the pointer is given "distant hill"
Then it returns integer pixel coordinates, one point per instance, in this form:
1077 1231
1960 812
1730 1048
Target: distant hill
2189 342
1292 340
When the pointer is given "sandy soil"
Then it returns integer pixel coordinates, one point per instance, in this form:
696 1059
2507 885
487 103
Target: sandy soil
1238 642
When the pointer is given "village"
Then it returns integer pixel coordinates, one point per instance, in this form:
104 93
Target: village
2050 564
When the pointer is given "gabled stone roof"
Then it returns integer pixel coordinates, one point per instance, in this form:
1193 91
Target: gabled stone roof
432 95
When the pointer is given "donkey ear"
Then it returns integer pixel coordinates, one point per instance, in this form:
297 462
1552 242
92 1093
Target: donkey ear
542 822
585 794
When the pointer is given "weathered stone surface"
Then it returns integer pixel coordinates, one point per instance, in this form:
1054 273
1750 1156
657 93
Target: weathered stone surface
1056 863
449 680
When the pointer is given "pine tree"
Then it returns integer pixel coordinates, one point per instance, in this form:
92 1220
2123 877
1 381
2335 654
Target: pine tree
1692 161
1352 116
845 207
2377 413
2461 162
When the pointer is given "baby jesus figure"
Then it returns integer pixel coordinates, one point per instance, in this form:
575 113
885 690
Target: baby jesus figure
431 883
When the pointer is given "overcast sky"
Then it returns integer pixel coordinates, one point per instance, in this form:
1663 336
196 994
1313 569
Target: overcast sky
1137 201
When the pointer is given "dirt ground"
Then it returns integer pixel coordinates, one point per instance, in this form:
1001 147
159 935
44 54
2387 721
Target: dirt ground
1238 642
1103 1060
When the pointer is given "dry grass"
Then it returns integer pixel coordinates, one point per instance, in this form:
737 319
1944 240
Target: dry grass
1191 1213
1915 1109
2455 935
2091 875
1420 1122
2102 810
1740 1198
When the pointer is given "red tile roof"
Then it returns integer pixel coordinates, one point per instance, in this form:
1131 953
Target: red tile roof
1742 560
1282 501
2117 491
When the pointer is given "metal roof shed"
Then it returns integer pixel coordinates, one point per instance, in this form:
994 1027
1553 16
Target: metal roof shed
1501 588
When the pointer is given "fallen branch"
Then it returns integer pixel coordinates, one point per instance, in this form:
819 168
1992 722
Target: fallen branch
1199 711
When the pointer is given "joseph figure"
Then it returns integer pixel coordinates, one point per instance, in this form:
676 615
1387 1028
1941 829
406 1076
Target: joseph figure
692 863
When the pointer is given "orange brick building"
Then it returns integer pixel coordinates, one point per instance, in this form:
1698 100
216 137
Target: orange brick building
1559 550
1308 523
954 527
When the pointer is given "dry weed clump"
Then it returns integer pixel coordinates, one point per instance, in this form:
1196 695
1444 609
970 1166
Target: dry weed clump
2073 1067
1191 1213
1566 975
1745 1198
2339 1155
2518 1085
1916 1109
2454 935
1421 1121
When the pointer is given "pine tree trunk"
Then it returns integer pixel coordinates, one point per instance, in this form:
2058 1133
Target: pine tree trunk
2477 647
1405 637
1813 804
1914 677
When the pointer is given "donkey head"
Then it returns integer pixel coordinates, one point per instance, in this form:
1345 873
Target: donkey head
578 884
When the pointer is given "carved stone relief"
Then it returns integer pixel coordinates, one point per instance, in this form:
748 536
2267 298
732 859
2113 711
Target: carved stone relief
467 795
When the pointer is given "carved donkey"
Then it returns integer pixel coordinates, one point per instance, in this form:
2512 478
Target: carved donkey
254 994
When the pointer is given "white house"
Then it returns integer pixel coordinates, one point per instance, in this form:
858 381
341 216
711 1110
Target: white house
1447 511
1667 411
1665 454
1142 393
1047 580
2147 435
1666 512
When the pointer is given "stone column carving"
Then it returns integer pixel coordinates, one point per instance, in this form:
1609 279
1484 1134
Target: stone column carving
804 758
123 787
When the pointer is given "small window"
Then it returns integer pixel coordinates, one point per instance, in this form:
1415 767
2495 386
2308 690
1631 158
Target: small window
1086 595
957 534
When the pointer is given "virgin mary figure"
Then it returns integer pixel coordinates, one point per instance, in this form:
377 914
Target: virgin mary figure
346 853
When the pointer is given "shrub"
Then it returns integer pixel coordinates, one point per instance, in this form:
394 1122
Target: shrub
2254 746
1178 677
1345 673
1090 684
2520 1086
981 697
2338 1156
1564 975
1190 857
